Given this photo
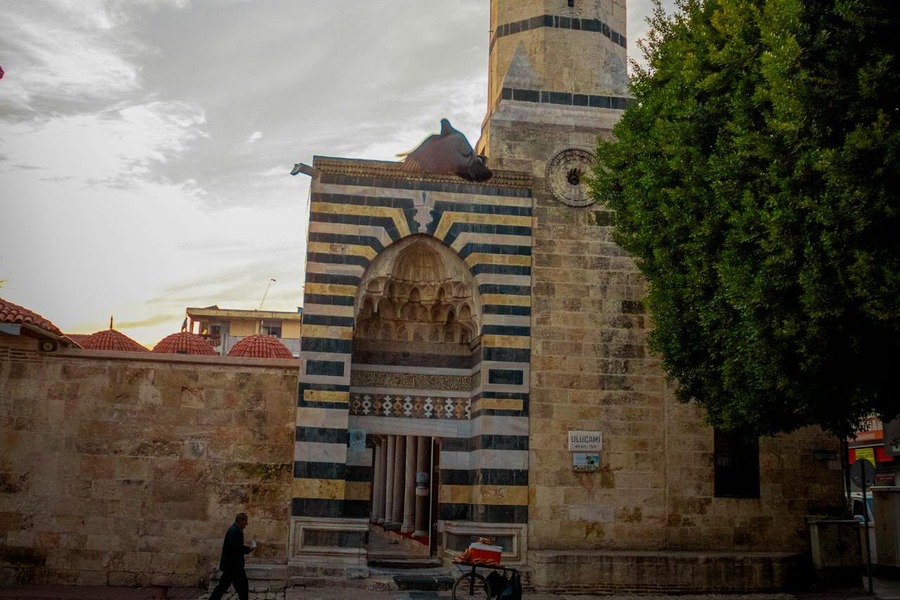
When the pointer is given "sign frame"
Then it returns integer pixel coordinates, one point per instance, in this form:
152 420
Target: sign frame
585 441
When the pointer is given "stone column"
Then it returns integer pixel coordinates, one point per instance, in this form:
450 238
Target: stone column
389 478
377 485
409 487
423 465
382 513
396 516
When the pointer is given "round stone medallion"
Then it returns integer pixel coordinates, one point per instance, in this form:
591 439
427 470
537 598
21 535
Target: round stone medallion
566 176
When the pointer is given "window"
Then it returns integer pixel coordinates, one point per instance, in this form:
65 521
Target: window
736 465
269 327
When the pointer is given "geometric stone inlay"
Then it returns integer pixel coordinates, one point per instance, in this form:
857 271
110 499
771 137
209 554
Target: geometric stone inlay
407 406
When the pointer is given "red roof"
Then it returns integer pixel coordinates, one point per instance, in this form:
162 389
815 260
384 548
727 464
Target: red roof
184 342
110 339
260 346
19 315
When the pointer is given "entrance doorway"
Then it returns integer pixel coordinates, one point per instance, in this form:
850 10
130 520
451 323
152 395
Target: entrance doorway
403 500
415 366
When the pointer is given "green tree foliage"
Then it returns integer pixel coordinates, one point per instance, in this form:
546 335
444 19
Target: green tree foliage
755 179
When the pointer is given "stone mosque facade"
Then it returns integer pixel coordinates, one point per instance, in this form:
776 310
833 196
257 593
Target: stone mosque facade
457 337
473 363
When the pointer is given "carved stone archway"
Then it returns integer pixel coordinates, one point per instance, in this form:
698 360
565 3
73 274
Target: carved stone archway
414 370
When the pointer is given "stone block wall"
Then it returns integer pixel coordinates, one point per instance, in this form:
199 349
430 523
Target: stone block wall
117 467
661 573
591 370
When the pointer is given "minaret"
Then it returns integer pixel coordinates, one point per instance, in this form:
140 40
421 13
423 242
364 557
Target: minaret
558 79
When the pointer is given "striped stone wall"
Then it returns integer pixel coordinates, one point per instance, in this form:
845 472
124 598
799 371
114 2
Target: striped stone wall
360 210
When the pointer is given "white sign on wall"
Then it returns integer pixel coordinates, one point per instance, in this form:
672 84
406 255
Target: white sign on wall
585 441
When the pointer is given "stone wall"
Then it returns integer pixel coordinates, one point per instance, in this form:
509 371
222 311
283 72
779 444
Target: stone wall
592 371
118 467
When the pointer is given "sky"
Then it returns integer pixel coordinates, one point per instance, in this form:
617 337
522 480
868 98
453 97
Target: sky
146 145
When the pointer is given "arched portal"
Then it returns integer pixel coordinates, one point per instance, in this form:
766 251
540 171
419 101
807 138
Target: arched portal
416 335
413 374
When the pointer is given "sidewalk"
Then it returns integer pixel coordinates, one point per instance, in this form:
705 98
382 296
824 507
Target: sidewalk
884 589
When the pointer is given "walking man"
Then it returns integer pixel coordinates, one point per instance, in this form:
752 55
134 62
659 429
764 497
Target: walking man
232 561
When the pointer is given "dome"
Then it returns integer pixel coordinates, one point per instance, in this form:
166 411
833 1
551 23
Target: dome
184 342
110 339
419 263
260 346
78 337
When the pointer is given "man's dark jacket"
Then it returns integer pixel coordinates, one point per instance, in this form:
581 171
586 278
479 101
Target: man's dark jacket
233 550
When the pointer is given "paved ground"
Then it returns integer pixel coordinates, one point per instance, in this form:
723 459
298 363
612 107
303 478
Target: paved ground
883 590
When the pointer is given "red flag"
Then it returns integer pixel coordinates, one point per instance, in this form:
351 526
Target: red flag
1 72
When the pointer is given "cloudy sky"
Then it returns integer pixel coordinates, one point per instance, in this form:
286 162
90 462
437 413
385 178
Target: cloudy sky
146 145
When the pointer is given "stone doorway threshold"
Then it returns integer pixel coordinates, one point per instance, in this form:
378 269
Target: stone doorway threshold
392 550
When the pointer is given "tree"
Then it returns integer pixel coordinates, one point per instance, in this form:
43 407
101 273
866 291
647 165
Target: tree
755 179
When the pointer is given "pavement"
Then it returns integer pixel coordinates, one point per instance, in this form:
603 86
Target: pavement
884 589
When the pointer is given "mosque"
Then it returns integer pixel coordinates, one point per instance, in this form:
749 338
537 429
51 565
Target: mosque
472 363
460 338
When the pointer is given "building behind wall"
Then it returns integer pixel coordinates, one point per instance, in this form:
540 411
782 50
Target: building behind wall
225 327
489 323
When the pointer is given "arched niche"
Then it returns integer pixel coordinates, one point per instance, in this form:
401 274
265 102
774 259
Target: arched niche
418 290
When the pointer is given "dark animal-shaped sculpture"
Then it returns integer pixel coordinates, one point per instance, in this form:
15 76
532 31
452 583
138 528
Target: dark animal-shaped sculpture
447 152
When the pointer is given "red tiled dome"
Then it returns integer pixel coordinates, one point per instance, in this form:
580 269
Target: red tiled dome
260 346
184 342
110 339
19 315
78 337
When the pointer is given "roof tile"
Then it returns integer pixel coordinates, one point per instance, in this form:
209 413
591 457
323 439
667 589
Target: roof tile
19 315
110 339
184 342
260 346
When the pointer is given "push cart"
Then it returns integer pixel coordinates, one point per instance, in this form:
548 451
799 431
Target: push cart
471 584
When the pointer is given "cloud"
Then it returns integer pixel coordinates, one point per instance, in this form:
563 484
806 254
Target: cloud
112 148
63 57
155 319
256 135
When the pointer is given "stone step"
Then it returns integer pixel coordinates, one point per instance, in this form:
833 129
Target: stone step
386 542
423 583
403 562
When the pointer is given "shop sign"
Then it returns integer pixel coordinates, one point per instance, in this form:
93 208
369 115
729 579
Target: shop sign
865 454
870 430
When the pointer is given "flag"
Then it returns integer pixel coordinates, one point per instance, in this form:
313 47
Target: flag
1 72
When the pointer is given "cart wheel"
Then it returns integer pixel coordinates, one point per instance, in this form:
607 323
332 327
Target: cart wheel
464 589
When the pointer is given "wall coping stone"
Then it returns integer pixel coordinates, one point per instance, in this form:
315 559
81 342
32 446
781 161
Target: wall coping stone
149 357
